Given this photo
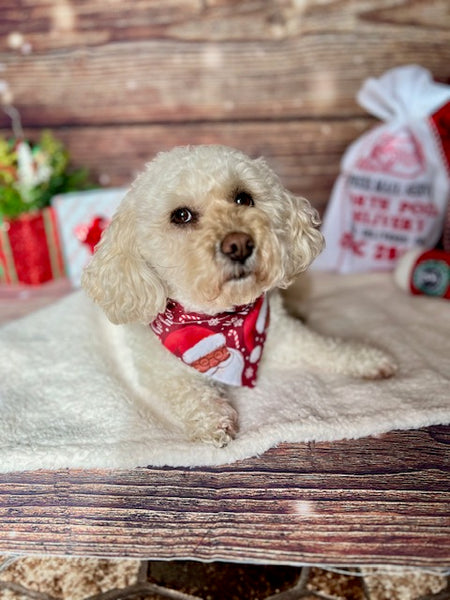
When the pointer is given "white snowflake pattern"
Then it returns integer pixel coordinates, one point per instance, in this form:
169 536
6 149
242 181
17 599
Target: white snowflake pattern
249 372
213 322
237 322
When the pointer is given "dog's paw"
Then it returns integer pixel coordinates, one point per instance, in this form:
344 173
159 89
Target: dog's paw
382 370
375 364
218 425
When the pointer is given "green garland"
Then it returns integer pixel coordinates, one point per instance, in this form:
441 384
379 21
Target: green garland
31 174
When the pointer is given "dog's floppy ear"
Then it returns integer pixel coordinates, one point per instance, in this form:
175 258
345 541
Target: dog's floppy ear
301 223
306 241
118 278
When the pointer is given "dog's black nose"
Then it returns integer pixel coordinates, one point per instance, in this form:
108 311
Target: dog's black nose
237 246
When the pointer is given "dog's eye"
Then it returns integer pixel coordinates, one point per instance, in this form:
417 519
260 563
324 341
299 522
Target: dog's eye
244 199
183 216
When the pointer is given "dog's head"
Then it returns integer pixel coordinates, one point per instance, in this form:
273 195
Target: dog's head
206 226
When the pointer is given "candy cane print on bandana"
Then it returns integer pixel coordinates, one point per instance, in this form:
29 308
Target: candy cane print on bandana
226 347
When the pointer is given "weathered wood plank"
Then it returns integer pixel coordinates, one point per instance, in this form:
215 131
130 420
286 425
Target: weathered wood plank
434 14
250 74
19 300
162 80
51 24
305 154
386 503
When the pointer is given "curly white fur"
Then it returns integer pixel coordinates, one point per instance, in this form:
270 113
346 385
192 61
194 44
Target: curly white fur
145 257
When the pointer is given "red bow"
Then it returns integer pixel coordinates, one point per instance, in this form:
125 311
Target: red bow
90 234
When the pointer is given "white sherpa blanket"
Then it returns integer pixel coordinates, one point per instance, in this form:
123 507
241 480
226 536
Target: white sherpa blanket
69 397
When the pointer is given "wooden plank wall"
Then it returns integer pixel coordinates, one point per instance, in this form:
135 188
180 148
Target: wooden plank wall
119 80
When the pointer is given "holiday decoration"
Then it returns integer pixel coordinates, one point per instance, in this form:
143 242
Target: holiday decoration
426 273
30 249
91 233
82 217
30 175
394 186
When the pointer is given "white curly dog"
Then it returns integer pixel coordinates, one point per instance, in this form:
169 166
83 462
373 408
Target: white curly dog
201 243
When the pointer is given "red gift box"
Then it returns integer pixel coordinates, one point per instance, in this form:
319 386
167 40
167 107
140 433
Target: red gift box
30 248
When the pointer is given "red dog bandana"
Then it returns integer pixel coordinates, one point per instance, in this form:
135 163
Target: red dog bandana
226 347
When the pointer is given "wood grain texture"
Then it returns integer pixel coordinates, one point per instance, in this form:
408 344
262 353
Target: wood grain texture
48 24
119 81
378 500
305 154
165 80
90 62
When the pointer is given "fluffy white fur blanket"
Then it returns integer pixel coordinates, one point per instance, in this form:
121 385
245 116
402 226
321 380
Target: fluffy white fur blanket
69 396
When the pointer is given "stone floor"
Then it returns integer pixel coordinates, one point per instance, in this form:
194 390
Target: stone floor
94 579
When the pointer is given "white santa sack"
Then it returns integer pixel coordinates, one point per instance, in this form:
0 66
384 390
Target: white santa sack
70 395
394 185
